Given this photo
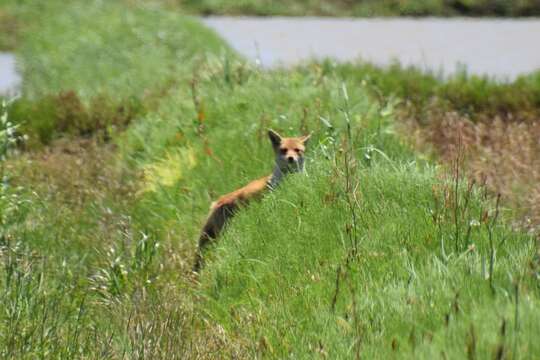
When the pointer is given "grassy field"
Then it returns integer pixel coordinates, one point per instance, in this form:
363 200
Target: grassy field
362 8
375 253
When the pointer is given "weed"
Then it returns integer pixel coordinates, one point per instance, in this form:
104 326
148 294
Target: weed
502 155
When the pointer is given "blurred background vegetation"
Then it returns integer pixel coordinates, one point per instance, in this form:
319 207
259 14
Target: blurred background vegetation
363 8
134 117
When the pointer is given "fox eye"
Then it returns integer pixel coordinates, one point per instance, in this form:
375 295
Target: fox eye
297 150
283 151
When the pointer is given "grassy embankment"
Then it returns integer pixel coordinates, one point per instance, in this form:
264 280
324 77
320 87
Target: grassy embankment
364 8
492 126
374 253
499 146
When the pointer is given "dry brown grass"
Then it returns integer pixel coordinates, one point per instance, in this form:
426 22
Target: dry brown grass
73 171
504 155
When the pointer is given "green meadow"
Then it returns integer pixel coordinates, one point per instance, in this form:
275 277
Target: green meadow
134 117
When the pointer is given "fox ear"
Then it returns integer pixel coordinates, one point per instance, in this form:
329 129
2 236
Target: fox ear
304 139
275 138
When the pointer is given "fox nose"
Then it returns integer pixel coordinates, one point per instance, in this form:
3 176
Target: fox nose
290 159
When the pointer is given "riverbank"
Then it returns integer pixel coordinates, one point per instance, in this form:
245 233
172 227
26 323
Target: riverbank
367 8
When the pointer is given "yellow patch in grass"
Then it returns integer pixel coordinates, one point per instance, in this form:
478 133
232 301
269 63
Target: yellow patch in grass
169 170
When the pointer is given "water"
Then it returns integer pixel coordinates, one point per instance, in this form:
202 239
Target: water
9 78
498 47
501 48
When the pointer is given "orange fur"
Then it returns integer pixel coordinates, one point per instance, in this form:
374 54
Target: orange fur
289 158
244 194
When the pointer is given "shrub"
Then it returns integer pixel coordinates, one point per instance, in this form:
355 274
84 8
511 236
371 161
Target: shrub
64 114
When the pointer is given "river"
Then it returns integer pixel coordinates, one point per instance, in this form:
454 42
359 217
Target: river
501 48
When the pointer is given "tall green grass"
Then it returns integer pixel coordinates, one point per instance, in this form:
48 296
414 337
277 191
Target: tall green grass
429 271
121 61
373 252
120 49
79 276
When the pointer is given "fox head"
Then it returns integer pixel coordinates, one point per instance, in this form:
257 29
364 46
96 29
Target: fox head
289 151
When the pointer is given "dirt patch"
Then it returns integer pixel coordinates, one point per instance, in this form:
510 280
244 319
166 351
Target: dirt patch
73 171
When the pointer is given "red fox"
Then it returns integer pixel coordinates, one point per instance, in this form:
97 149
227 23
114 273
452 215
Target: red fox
289 154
